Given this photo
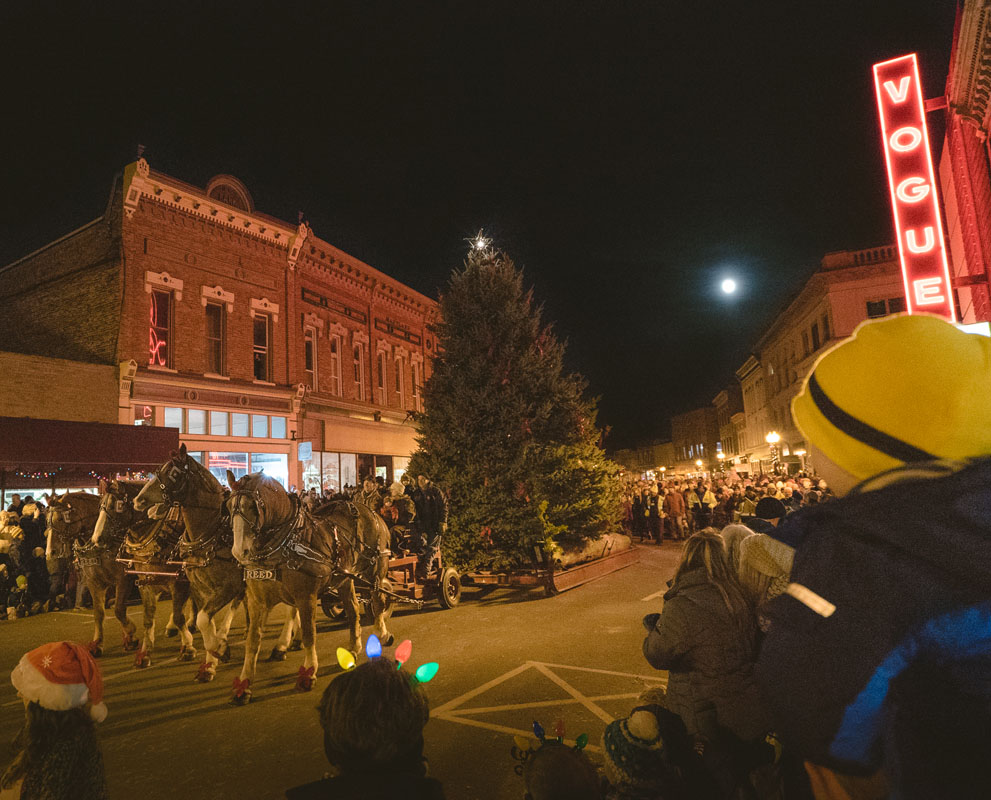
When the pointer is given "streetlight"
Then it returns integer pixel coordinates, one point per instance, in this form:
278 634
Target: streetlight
698 463
772 439
801 454
721 455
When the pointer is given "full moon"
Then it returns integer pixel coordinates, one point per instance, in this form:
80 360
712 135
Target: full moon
729 286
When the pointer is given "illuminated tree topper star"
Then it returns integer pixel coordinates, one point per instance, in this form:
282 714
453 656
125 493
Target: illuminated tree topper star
480 241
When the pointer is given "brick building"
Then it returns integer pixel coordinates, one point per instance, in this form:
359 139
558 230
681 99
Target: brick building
731 422
694 435
255 338
965 164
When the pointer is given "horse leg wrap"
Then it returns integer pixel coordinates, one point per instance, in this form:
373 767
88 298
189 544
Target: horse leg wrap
206 673
142 659
130 642
187 653
241 692
95 649
305 678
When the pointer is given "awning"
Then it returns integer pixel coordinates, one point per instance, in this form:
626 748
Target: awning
80 448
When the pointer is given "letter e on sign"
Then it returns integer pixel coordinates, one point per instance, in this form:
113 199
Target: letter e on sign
912 183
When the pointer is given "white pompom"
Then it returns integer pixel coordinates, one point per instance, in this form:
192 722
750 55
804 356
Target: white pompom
98 712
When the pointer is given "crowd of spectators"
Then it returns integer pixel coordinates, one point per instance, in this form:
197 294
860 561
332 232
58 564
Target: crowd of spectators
839 650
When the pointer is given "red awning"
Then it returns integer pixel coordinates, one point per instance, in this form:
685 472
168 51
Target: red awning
49 445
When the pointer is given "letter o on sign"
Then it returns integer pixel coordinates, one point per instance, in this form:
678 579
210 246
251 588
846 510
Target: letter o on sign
905 139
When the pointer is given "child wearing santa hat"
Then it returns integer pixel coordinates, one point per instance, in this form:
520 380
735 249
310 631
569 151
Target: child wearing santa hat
58 754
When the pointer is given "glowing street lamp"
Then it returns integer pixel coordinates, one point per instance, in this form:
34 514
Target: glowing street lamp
801 454
721 456
772 439
698 463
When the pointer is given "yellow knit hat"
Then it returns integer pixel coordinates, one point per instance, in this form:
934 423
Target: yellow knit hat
900 390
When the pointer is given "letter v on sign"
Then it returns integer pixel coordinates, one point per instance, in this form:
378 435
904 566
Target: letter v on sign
900 94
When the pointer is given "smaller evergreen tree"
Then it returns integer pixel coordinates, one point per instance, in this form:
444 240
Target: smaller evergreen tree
506 431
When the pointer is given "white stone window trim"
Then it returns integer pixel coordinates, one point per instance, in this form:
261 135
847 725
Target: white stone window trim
359 337
160 368
217 294
416 358
399 351
216 377
262 305
311 320
162 280
340 330
381 346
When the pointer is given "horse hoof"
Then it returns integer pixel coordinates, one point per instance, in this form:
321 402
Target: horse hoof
305 678
206 673
130 645
142 660
172 632
95 649
277 655
388 640
296 644
242 692
225 656
187 654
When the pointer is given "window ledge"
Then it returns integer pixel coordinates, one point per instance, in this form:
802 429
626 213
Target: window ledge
264 383
216 377
159 368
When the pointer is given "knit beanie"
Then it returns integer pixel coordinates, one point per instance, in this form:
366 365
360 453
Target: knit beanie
61 676
770 508
900 390
633 752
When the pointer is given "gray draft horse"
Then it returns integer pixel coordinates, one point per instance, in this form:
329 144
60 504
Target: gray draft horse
292 556
71 520
216 578
148 543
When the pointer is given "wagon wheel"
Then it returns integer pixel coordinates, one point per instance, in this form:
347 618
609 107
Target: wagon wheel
332 607
449 588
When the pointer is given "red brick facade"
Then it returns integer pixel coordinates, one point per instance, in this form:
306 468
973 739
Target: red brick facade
89 297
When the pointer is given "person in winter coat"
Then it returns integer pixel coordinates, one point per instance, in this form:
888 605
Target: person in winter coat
701 501
370 495
674 508
431 520
57 753
878 656
705 638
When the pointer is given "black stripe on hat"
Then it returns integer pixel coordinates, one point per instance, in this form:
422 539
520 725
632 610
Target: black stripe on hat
861 431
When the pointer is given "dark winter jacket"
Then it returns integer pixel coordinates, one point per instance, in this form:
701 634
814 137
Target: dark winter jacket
369 787
431 509
71 769
674 504
710 655
900 572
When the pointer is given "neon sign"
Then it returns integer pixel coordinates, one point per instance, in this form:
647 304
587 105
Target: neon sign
925 269
158 332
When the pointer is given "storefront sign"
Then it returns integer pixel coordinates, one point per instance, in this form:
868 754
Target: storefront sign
913 188
305 451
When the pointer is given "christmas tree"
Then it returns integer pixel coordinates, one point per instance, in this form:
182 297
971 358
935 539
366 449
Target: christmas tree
506 431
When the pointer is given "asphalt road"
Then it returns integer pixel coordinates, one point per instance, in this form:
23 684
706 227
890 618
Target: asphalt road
506 658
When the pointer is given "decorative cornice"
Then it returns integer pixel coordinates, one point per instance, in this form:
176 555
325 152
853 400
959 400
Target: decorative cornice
162 280
208 293
381 346
359 336
296 243
969 87
140 184
264 306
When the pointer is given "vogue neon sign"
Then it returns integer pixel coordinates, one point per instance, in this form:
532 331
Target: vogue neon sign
913 187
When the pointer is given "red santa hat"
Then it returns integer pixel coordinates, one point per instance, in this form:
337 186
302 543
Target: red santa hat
61 676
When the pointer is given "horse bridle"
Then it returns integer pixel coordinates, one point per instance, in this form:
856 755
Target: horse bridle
119 530
179 478
278 534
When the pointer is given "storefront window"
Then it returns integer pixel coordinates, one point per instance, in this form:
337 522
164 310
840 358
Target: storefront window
399 466
275 465
259 426
173 418
239 424
197 457
218 423
278 427
349 469
221 462
311 472
331 477
195 420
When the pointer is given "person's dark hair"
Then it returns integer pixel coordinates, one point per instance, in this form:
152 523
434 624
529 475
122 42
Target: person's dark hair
558 772
705 551
42 728
373 718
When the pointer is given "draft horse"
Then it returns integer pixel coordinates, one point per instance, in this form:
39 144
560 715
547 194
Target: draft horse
72 518
291 556
215 577
147 545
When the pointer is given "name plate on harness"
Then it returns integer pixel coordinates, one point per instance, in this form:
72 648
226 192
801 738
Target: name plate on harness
89 561
259 574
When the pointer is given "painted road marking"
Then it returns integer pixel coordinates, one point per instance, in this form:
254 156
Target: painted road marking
652 596
455 710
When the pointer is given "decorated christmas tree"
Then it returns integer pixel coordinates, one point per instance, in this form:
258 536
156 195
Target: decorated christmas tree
506 431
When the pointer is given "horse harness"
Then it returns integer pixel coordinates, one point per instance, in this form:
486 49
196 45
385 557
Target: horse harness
173 482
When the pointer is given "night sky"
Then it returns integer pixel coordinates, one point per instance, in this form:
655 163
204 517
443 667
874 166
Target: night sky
627 155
